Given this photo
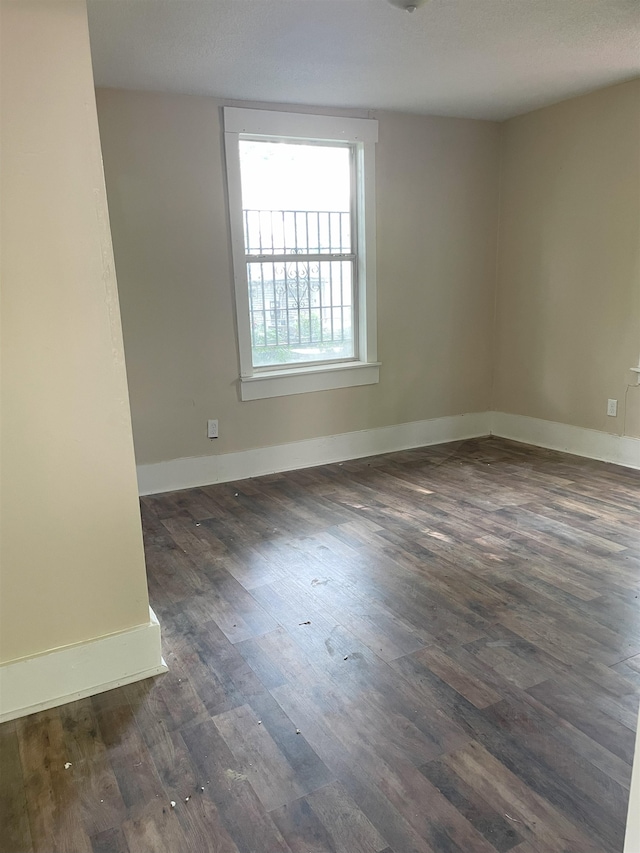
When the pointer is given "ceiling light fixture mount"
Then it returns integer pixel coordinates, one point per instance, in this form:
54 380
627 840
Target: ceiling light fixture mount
408 5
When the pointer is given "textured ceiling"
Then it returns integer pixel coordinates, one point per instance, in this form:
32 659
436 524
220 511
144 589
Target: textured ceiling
474 58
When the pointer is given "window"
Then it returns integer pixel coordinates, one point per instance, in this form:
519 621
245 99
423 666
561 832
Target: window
302 207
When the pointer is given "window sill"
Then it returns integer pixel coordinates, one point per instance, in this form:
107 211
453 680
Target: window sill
303 380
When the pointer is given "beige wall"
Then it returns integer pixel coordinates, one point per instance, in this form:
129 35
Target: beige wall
568 318
437 190
72 560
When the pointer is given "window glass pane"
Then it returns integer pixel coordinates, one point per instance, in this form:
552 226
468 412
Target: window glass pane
301 311
295 198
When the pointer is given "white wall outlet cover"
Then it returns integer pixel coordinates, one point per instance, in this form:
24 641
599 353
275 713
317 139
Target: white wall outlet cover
612 408
212 428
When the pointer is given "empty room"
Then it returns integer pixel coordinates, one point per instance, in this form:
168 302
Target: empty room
320 426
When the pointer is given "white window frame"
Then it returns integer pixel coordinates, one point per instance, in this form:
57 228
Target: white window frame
258 383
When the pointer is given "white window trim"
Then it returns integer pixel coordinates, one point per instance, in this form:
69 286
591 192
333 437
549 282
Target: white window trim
256 384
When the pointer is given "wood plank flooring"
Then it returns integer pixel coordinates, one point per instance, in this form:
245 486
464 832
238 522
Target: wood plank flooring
435 651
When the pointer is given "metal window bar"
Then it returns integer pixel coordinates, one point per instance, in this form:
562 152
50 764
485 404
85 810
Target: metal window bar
281 294
320 311
331 300
341 306
262 238
264 307
311 248
309 291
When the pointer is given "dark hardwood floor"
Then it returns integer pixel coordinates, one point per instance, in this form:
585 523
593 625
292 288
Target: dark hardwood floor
435 651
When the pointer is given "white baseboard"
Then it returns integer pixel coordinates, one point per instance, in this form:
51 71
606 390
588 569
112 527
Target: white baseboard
73 672
205 470
619 449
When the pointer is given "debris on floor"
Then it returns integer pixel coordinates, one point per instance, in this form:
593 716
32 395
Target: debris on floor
305 623
67 765
235 776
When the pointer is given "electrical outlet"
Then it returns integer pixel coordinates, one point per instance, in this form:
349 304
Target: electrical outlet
212 428
612 408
